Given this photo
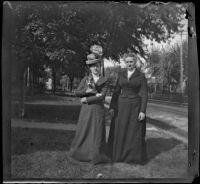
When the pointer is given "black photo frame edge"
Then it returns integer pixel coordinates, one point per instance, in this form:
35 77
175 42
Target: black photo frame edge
193 108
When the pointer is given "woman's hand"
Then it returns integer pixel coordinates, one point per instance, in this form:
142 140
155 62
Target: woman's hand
83 100
111 111
98 94
141 116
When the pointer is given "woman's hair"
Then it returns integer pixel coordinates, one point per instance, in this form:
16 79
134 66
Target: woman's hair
130 55
133 55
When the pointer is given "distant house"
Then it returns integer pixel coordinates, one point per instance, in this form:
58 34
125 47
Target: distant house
49 84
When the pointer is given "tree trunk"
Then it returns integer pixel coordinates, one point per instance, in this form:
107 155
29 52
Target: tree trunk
22 94
35 80
71 84
54 80
31 83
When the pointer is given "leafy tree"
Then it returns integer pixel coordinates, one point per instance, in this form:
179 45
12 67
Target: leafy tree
74 68
121 27
51 33
165 64
28 44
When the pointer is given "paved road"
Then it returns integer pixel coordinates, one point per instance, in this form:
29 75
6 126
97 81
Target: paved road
171 108
177 110
168 119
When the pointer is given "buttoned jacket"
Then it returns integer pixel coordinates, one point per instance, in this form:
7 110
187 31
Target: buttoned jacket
134 87
100 87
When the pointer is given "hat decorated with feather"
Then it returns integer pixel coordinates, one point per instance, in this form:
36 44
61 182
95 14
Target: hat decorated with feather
92 59
95 56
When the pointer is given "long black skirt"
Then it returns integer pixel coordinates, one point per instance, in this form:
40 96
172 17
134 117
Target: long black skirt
126 141
89 142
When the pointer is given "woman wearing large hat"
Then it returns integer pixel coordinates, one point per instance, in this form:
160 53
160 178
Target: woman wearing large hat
89 142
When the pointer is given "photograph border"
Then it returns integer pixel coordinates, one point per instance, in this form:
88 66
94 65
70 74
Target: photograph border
193 104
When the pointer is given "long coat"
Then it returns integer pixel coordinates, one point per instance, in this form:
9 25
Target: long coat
126 141
89 142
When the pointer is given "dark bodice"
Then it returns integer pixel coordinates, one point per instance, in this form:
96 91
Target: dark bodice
134 87
130 87
99 87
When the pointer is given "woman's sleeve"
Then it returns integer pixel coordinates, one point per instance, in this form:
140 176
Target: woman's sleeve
80 91
93 99
143 94
114 99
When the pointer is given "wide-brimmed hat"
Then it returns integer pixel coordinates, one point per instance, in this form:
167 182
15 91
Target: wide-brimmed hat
92 59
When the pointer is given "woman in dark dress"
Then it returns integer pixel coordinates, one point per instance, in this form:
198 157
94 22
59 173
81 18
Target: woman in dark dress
126 141
89 142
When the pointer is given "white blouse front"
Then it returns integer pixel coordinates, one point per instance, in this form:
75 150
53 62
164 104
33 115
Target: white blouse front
95 77
130 73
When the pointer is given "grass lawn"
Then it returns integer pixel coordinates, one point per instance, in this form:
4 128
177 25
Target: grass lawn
53 113
39 153
43 153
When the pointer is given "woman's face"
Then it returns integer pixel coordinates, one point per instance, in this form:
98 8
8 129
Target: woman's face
95 69
130 63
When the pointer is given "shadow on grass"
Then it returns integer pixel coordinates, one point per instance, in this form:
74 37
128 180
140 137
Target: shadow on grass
49 96
166 126
52 113
156 146
26 140
160 123
46 112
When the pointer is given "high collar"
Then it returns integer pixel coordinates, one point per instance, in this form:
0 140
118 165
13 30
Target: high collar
136 73
100 81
